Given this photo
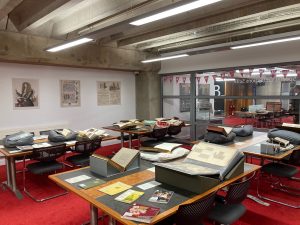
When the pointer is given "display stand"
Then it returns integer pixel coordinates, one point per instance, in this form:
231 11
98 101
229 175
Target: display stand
105 167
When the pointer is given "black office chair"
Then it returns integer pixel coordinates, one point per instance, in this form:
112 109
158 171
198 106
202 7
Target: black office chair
47 163
229 209
276 172
193 213
85 150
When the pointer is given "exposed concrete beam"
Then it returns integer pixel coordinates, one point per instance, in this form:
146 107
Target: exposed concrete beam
22 48
30 11
181 29
254 32
6 6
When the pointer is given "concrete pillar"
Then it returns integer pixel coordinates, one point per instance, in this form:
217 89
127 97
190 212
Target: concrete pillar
148 88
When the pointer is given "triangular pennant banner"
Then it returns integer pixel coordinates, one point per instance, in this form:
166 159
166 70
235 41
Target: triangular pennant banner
184 79
298 73
285 73
231 73
214 77
273 73
261 71
171 79
177 80
223 75
165 79
206 78
198 79
250 71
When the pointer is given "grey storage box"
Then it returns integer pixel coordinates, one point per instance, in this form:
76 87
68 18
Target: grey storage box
194 183
104 167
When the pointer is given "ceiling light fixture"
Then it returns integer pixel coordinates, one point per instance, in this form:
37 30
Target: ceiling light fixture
266 43
174 11
69 44
164 58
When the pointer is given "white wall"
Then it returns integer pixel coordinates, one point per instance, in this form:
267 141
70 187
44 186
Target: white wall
277 53
50 113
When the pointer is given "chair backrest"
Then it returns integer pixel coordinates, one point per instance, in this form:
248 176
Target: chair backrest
87 147
192 214
48 153
295 158
44 132
237 192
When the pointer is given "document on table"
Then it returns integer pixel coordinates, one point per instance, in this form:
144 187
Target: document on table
148 185
70 142
152 169
76 179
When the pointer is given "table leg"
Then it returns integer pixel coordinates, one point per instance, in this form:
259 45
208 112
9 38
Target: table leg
139 141
11 177
93 215
130 141
112 221
122 139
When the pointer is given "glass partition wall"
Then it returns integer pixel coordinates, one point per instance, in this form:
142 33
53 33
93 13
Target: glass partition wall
262 97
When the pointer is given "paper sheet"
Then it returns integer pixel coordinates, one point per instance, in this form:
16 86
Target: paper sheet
148 185
76 179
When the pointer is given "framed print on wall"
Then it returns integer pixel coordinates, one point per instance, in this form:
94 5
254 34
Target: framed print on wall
25 93
69 93
109 93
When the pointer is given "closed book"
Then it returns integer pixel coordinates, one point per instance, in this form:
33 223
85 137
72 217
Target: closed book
141 213
91 183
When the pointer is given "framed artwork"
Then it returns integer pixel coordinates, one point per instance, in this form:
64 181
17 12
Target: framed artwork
109 93
69 93
25 93
185 104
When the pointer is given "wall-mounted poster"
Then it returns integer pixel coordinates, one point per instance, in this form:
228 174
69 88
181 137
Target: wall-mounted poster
70 93
109 92
185 103
25 93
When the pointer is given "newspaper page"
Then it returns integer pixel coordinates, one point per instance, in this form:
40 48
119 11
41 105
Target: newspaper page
70 93
109 93
212 154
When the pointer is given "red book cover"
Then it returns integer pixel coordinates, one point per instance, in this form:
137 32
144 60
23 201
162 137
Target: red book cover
141 213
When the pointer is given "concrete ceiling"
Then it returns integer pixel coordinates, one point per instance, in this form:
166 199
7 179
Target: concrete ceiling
107 21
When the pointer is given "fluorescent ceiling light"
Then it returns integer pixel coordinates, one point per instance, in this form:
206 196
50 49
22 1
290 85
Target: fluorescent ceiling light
174 11
266 43
69 44
164 58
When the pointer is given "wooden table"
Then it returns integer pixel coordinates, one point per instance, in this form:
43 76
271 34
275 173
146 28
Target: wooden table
10 155
92 195
137 132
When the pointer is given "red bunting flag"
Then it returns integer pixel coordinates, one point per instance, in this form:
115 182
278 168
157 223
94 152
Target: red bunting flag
171 79
250 71
165 79
184 79
261 71
214 77
177 80
223 75
298 73
285 73
231 73
206 78
198 79
273 73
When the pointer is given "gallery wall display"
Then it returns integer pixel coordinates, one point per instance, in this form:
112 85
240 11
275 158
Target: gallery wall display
69 93
108 93
25 93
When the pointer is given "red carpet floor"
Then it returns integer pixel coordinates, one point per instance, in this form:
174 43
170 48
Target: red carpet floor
72 210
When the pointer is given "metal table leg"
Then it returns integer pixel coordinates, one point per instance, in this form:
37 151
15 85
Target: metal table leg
11 177
130 141
122 139
112 221
93 215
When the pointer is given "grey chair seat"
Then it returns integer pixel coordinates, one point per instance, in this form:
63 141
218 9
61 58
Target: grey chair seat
79 160
227 214
44 167
279 169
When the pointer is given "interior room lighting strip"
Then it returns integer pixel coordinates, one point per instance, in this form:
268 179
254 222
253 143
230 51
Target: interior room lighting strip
164 58
69 44
266 43
174 11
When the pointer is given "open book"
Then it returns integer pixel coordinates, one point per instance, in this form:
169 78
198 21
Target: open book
122 159
161 147
290 127
219 129
207 159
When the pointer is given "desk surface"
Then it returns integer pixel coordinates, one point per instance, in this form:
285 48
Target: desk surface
138 132
6 151
133 178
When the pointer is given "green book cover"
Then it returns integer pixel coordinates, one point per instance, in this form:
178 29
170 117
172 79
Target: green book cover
91 183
